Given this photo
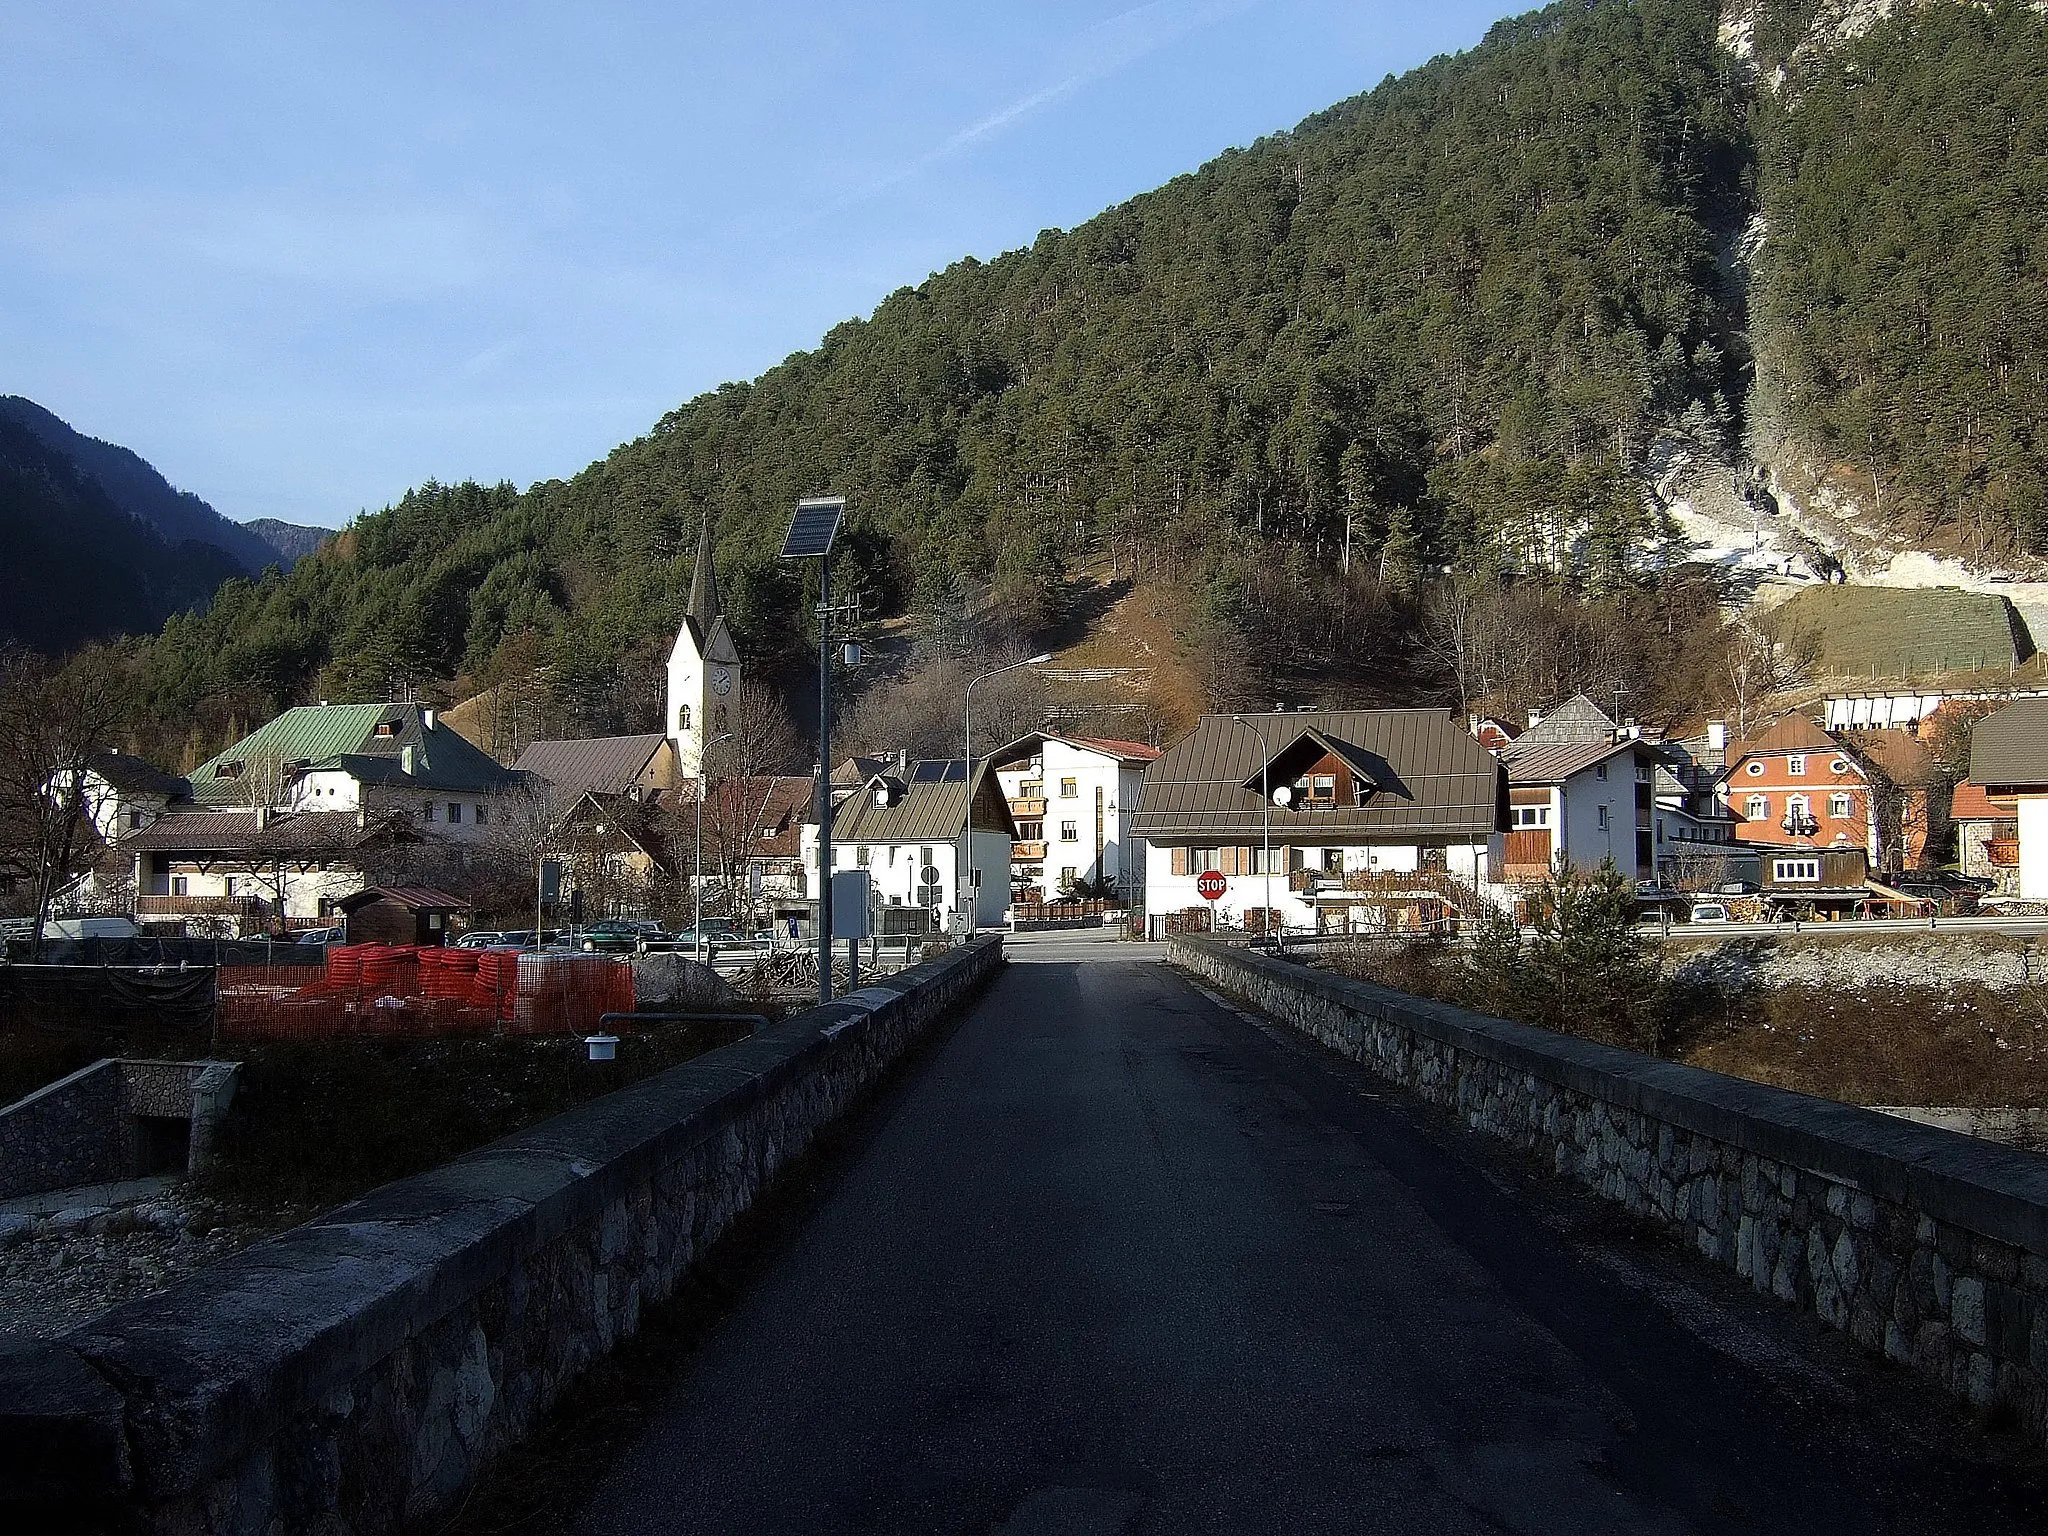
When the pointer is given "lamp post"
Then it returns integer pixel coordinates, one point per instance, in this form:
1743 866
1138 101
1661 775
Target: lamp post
811 533
697 869
967 821
1265 808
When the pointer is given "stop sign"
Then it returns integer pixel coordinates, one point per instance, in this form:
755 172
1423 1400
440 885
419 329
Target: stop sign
1210 885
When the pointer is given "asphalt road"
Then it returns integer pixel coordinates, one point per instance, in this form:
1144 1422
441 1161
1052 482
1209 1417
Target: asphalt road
1112 1257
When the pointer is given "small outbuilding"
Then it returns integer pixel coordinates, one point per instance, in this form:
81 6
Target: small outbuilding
399 914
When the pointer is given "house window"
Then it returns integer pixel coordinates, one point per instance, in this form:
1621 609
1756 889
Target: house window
1839 766
1600 773
1784 870
1070 832
1068 789
1755 770
1333 861
1068 875
1031 791
860 855
1200 859
427 811
1322 789
483 815
454 813
178 886
924 858
682 717
1796 764
1759 808
1601 818
1839 807
135 821
1031 831
1798 808
229 770
1532 815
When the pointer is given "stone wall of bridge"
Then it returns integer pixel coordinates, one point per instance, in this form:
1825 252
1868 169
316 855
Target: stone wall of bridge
356 1373
1926 1245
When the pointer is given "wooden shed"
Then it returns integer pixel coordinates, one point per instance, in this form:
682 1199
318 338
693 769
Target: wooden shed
399 914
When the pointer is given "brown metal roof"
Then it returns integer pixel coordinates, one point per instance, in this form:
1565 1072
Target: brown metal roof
2010 748
1554 762
605 765
419 898
1434 779
236 832
137 776
930 806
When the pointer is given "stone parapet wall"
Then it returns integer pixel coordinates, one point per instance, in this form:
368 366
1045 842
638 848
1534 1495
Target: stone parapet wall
1927 1245
356 1373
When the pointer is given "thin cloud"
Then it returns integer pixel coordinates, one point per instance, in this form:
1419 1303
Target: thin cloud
1108 47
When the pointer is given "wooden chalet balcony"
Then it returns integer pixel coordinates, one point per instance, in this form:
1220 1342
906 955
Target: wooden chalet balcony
200 906
1027 850
2004 852
1031 807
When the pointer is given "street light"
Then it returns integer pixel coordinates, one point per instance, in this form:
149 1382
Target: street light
697 869
967 822
1265 809
811 533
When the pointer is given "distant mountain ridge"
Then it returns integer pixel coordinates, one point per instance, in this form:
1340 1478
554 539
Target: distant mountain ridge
94 542
74 565
291 542
135 486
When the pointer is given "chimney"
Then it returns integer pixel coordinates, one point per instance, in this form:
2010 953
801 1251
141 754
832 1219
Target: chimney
262 818
903 763
1535 718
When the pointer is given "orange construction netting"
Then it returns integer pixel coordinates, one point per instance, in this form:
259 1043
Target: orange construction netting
382 989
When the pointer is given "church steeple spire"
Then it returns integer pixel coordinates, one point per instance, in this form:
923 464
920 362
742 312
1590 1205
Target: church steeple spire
704 605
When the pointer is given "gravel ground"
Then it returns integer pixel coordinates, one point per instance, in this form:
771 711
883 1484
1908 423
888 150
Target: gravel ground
58 1270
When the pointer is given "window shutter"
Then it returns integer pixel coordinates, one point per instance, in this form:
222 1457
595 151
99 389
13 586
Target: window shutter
1180 861
1294 858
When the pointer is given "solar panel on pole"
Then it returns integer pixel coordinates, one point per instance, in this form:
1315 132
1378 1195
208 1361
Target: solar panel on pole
814 527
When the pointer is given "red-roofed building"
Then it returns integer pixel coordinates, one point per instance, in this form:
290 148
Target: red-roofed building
1987 835
1797 786
1072 798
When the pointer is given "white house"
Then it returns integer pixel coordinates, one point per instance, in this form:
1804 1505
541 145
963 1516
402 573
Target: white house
1073 798
908 830
1376 818
1581 787
374 759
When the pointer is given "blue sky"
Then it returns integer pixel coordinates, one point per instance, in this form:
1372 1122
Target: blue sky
303 256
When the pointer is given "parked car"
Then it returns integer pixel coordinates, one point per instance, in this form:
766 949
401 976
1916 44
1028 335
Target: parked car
1709 912
481 938
323 936
616 936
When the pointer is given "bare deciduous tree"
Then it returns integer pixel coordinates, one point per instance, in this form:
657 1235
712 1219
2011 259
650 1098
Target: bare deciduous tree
53 720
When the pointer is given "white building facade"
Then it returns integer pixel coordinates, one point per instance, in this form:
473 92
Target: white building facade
1073 799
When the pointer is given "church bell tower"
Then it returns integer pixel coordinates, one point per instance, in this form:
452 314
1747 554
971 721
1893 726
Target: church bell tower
703 668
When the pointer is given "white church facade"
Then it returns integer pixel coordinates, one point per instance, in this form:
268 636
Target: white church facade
703 669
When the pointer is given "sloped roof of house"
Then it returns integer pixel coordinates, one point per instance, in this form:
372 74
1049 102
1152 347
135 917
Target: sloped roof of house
1433 778
1127 752
1900 756
346 737
1554 762
606 765
1577 719
1794 733
1972 802
284 832
2010 748
419 898
930 806
138 776
778 805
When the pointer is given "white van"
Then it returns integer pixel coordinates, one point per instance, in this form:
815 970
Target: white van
91 928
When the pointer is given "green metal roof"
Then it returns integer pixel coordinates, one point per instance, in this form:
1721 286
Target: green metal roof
345 736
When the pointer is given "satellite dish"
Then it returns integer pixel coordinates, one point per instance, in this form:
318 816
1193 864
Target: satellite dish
1284 795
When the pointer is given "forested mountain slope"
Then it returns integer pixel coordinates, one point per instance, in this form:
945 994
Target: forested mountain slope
1340 390
133 484
1446 314
76 566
